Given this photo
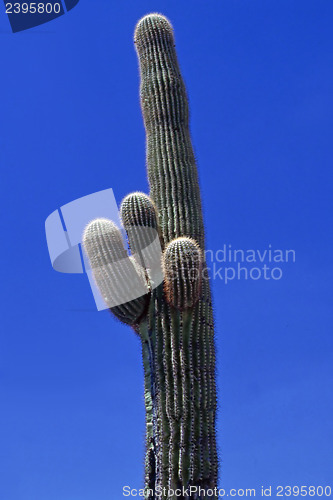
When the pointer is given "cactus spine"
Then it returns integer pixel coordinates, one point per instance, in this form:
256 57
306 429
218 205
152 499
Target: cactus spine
174 320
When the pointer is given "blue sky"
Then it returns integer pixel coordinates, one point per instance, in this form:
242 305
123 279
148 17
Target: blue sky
259 78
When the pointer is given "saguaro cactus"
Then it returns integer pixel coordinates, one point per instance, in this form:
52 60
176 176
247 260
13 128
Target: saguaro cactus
174 320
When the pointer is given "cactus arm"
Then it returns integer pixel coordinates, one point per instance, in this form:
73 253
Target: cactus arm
116 274
139 218
182 263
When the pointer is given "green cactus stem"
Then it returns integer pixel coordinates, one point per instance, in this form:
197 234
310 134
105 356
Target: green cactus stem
174 318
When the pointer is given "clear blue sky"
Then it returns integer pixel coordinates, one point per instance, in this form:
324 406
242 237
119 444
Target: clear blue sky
259 76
